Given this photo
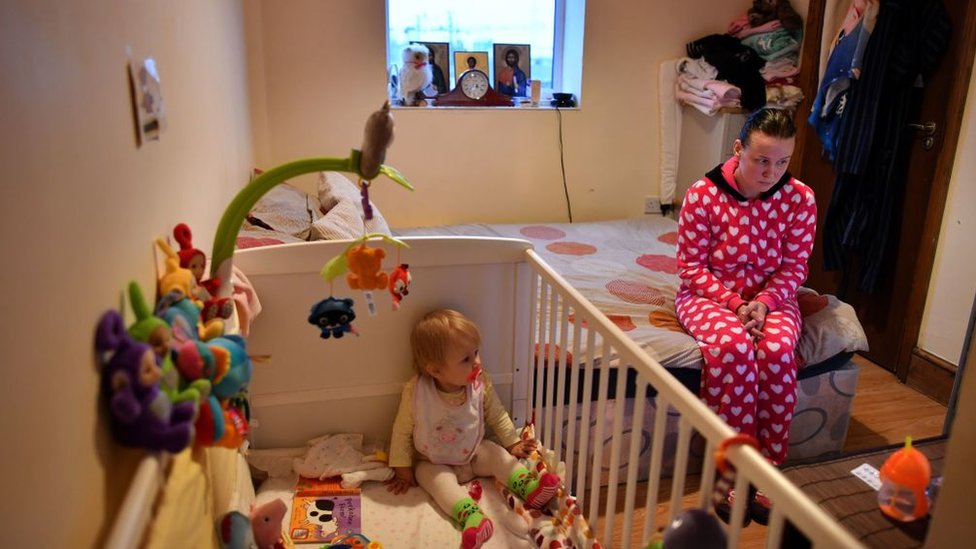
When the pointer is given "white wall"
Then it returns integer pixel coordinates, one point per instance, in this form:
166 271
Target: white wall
953 284
324 72
81 207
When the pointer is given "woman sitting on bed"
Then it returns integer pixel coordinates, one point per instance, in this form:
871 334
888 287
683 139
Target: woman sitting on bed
439 428
745 234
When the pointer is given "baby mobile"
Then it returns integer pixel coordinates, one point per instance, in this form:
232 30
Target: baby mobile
362 266
332 315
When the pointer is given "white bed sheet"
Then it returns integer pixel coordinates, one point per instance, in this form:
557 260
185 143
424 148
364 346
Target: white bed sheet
412 520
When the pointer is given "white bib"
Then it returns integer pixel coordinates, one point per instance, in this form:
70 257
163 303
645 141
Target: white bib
446 433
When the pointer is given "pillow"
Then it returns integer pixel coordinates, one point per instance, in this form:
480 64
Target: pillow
342 208
830 326
286 209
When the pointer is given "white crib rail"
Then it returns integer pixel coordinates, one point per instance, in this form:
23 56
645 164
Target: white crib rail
561 310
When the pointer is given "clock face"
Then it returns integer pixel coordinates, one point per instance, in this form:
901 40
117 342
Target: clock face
474 83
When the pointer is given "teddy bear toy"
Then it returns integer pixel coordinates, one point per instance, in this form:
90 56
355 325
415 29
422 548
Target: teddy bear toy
140 414
364 268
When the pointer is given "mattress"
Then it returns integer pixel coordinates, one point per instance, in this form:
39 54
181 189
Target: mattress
412 519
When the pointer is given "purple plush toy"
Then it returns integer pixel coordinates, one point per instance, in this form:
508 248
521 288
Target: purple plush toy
140 414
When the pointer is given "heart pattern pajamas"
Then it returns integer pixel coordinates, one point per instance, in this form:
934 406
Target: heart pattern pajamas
732 250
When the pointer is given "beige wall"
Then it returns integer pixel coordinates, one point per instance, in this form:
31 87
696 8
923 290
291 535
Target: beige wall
953 284
324 72
81 206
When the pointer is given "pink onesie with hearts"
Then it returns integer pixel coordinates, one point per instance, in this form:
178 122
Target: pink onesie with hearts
732 250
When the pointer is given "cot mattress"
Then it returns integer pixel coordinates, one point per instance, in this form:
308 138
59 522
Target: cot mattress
410 519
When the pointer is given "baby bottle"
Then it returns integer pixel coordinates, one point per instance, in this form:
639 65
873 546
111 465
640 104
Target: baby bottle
904 478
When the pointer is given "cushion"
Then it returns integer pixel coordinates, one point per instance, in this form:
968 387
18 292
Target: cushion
252 236
830 326
342 205
286 209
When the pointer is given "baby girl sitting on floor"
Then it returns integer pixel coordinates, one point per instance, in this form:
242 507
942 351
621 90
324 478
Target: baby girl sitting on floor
438 435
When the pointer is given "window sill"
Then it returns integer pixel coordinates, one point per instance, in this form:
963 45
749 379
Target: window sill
522 107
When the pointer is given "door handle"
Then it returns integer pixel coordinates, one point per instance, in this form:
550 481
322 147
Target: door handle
925 128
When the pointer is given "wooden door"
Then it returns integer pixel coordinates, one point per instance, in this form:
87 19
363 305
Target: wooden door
892 316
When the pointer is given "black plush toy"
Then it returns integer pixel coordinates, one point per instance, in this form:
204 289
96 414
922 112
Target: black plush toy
333 316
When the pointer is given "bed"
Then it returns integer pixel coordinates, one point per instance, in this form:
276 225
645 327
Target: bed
311 386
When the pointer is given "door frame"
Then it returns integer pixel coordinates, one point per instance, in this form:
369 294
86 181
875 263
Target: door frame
964 31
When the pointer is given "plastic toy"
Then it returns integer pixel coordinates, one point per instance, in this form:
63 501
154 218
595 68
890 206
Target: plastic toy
141 415
333 316
904 477
726 478
399 284
364 268
694 529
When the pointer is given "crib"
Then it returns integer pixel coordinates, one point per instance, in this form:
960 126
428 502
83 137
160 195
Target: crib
526 311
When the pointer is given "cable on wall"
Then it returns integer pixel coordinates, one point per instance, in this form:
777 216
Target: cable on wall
562 165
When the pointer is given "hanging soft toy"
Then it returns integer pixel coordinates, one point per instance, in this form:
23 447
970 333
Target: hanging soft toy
333 316
141 415
399 284
364 268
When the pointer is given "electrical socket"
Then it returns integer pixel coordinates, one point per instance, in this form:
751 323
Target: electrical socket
652 205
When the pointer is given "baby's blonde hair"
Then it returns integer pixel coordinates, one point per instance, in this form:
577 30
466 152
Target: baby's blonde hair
436 333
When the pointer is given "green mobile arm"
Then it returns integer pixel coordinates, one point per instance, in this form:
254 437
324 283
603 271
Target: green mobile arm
230 222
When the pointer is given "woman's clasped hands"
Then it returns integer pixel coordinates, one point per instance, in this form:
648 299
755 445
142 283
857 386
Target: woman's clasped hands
752 314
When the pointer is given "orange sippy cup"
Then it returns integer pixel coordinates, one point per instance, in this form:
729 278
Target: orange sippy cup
904 477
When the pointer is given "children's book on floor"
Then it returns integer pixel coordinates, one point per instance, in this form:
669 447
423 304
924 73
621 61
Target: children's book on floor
323 510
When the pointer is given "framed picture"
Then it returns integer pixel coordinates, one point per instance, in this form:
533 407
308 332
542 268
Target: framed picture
465 60
440 64
513 69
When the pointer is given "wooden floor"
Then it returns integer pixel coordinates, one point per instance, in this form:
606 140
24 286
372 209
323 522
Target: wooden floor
884 412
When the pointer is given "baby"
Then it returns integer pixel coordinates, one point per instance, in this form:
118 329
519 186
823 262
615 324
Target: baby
438 436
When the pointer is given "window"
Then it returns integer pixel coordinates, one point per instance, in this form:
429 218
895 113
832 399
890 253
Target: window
553 29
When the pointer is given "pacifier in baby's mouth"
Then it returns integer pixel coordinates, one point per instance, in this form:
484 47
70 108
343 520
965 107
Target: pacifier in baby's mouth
474 376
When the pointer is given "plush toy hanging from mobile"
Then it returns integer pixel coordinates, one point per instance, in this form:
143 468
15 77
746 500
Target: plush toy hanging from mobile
399 282
367 164
362 266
